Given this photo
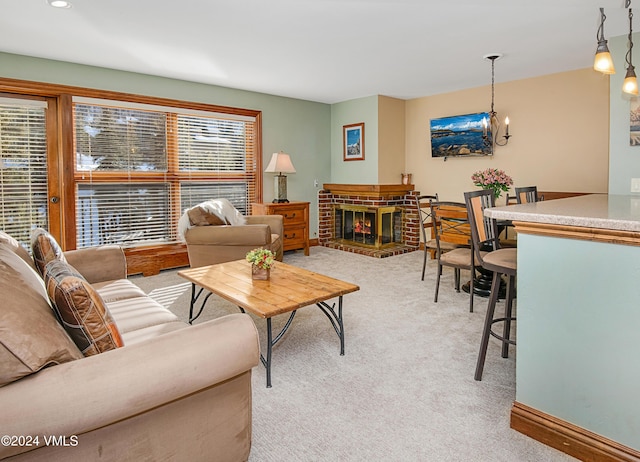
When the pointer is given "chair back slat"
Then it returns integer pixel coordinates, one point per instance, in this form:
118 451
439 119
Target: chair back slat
423 203
527 194
484 230
450 223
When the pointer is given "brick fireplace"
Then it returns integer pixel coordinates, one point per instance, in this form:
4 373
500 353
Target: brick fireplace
374 220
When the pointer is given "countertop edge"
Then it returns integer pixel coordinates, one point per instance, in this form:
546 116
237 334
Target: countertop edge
595 211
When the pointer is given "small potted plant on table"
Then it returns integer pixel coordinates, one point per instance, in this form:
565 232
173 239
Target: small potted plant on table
261 262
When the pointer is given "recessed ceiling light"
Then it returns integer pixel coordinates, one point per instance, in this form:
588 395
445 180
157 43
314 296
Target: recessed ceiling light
59 3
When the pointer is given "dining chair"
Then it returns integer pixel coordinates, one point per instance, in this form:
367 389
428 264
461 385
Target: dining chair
511 200
527 194
501 261
423 203
451 225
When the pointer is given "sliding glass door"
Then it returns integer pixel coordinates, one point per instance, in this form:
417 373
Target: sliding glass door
24 201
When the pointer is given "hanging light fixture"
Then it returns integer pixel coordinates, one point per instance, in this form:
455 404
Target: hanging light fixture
603 62
630 84
493 115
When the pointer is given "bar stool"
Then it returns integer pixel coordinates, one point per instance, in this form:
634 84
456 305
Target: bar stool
484 234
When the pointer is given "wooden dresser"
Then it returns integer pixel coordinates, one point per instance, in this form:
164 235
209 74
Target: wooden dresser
296 222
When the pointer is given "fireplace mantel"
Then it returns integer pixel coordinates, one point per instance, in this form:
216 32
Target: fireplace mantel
372 190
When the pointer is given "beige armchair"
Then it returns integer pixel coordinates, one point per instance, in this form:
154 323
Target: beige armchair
211 244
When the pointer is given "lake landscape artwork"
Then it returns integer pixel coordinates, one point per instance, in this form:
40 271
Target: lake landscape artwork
462 135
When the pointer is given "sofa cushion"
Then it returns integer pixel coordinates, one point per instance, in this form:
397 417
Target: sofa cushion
139 313
45 249
30 336
120 289
81 310
147 333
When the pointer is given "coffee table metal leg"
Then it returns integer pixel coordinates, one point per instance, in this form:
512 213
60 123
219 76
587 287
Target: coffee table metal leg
271 342
194 298
336 319
267 364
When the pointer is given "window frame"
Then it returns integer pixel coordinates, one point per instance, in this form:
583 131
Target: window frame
61 144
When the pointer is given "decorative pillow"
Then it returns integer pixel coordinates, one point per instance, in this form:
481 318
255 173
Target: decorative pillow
200 217
81 310
30 336
45 249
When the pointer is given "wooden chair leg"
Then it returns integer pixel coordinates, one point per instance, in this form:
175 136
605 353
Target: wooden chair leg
488 320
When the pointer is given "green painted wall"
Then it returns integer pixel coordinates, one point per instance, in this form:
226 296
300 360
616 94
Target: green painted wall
300 128
577 333
624 160
347 113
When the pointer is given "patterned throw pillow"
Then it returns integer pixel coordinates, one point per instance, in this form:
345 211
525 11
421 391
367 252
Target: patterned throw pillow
81 310
45 249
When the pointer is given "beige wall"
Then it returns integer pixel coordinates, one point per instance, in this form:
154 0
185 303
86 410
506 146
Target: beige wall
391 139
560 128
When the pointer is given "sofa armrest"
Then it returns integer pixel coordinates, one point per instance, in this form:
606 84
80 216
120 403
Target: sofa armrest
275 222
80 396
98 264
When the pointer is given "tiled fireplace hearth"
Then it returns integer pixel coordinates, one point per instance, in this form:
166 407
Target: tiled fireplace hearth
374 220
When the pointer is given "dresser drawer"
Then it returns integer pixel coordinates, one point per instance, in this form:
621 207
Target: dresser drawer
291 216
294 237
295 220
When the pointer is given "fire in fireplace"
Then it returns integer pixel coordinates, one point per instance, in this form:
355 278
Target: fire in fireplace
368 226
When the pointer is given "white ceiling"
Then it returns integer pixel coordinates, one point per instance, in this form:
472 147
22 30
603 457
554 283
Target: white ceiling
319 50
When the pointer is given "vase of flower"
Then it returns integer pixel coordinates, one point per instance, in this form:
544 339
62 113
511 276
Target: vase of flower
260 274
261 262
492 178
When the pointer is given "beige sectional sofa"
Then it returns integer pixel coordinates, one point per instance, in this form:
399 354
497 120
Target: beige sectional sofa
173 392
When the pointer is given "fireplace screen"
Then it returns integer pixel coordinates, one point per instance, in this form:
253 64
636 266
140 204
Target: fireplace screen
369 226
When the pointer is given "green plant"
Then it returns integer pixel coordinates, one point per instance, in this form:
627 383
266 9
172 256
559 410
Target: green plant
262 258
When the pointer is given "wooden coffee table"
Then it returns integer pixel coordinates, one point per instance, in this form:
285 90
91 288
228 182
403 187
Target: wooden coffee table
288 289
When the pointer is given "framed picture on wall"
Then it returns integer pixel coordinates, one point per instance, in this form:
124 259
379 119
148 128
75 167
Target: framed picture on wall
353 141
634 123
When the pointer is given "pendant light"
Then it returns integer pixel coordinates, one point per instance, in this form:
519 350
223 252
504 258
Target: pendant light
630 84
494 123
603 62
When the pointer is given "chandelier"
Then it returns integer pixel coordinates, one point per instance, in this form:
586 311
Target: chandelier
494 123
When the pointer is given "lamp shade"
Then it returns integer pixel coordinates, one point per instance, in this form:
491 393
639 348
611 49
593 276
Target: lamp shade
630 84
280 163
603 63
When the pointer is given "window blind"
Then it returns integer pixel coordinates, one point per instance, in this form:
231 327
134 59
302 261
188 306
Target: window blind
23 168
138 167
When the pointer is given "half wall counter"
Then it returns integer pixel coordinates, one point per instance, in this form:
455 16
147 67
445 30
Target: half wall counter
578 324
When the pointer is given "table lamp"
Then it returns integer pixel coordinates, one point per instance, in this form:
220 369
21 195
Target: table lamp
280 163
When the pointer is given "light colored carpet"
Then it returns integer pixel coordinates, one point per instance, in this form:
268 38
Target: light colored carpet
404 391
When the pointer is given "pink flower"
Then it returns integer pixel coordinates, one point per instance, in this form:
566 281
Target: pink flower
492 178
